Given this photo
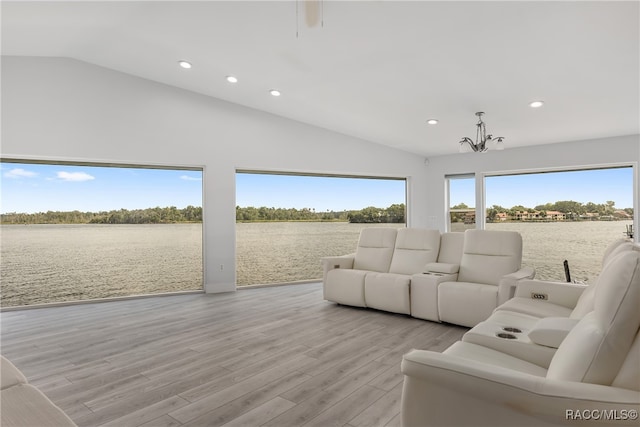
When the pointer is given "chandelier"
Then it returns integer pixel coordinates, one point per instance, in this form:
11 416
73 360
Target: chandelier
480 145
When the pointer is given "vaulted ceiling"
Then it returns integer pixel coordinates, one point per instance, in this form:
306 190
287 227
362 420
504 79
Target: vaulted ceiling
376 70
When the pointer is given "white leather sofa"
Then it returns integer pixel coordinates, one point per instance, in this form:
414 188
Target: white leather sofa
539 317
23 405
593 378
378 275
490 268
454 277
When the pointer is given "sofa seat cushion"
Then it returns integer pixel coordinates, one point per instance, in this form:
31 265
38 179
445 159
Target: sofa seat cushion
535 307
489 356
25 405
388 292
345 286
513 319
465 303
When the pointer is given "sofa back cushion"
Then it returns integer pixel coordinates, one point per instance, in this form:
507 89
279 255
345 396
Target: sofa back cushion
375 249
596 348
488 255
612 249
586 300
451 247
414 248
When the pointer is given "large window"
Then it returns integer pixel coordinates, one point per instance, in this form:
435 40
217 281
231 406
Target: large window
75 232
286 223
568 215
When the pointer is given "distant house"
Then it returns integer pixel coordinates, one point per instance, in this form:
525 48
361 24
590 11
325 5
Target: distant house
555 216
527 216
622 215
539 215
502 216
590 216
470 217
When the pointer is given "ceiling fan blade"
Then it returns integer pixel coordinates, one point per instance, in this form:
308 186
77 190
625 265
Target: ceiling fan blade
312 12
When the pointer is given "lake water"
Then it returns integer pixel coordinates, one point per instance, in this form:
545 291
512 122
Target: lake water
47 263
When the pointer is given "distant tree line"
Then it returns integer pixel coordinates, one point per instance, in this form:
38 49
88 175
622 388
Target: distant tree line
155 215
573 210
392 214
171 214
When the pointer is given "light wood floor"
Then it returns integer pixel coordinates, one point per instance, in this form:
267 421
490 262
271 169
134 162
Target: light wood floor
274 357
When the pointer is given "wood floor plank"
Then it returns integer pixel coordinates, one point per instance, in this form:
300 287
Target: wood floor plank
248 402
339 414
262 413
380 412
272 357
148 413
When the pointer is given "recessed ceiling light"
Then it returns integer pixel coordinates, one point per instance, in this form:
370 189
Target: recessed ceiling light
274 92
432 121
232 79
184 64
536 104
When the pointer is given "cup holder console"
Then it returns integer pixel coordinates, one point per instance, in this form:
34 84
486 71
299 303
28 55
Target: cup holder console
511 329
506 336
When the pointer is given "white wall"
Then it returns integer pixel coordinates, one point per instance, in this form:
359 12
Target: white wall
62 109
623 150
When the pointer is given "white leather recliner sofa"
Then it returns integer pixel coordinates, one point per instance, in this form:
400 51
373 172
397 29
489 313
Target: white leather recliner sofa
592 379
454 277
378 275
548 311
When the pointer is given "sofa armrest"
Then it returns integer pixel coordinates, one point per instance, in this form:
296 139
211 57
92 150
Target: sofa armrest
441 267
332 262
560 293
509 282
486 394
551 331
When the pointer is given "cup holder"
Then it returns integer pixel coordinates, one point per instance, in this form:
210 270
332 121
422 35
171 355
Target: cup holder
511 329
506 336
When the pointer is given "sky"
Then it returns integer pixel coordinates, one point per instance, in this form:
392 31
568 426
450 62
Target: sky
33 188
319 193
30 188
530 190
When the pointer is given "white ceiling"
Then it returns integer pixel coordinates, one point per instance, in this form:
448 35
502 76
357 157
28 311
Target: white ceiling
376 69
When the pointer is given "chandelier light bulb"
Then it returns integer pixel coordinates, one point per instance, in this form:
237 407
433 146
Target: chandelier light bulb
432 122
232 79
275 92
185 64
536 104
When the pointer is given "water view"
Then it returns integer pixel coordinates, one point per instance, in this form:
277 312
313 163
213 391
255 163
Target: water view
50 263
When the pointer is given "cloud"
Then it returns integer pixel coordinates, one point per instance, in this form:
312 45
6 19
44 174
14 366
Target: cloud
18 173
190 178
74 176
